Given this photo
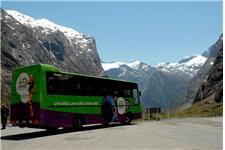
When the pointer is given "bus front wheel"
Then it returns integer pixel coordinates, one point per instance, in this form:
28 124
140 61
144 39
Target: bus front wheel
77 123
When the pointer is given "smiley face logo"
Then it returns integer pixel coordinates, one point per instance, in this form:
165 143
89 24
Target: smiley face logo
121 105
22 87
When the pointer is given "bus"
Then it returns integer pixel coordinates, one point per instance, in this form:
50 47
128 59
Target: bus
43 96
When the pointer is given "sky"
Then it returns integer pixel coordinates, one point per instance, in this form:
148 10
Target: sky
151 32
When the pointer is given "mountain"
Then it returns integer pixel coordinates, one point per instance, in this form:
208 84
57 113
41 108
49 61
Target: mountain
168 85
187 66
162 88
135 71
134 65
170 79
159 84
189 93
214 49
213 85
26 41
209 98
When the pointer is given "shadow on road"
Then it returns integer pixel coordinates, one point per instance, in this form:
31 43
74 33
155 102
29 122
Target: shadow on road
32 135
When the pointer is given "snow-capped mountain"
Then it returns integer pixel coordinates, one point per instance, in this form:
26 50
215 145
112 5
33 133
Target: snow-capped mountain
134 71
47 27
156 86
171 79
188 65
42 41
133 65
26 41
188 95
166 85
43 23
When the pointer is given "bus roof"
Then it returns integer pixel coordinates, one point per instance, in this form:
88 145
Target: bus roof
40 66
47 67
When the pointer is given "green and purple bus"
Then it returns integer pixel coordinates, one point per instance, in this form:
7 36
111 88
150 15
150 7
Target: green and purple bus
42 96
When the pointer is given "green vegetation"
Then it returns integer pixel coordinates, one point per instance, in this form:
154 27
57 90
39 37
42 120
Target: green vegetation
200 109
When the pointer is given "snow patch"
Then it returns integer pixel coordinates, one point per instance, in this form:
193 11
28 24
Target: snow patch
10 27
190 67
7 17
46 25
89 50
108 66
198 61
133 65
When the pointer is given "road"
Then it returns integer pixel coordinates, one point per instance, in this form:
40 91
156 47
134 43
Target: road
189 133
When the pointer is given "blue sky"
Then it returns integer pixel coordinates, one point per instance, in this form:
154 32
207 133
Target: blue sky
151 32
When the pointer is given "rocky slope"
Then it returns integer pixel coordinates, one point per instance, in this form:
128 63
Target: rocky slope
162 88
25 41
213 86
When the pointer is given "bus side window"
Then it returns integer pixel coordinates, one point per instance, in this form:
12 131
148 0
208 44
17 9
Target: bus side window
127 93
135 95
90 90
50 85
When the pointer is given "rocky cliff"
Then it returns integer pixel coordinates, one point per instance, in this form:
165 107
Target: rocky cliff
213 86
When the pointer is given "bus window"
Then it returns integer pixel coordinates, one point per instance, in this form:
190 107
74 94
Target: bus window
135 94
67 84
127 93
60 84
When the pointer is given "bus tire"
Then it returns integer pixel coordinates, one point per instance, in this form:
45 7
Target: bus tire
77 123
128 118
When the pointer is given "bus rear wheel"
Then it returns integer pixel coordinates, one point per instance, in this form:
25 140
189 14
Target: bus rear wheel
77 123
127 119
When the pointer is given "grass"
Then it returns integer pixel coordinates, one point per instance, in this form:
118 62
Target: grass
200 109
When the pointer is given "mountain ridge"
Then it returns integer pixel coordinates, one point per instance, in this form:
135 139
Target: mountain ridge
188 65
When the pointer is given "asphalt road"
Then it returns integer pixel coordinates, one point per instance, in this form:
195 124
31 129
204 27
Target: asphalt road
189 133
